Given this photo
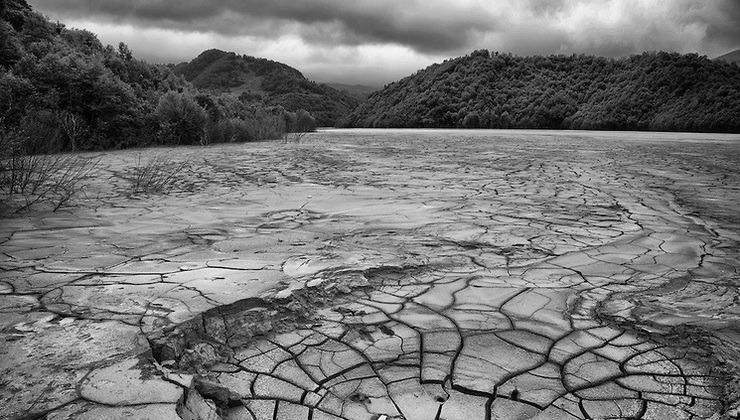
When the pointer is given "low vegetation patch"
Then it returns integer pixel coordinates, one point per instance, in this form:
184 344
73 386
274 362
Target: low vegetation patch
297 125
26 181
157 175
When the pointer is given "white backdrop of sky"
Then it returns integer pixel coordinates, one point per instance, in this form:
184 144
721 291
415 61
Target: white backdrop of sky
374 42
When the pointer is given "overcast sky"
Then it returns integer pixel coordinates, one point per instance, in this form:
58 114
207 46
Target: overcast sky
379 41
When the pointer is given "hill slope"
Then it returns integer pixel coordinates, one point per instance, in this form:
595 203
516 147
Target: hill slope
650 91
266 81
62 89
731 57
360 92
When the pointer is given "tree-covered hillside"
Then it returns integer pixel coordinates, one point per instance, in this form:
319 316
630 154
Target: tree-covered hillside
62 89
267 82
651 91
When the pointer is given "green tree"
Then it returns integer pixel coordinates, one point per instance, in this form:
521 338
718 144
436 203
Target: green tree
181 119
471 120
304 121
124 52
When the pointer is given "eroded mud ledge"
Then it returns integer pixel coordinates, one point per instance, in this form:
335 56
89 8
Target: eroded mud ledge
369 275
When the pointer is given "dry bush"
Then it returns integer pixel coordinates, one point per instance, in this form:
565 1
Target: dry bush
53 179
31 174
156 176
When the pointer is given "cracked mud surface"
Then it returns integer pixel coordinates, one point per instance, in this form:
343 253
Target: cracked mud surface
386 275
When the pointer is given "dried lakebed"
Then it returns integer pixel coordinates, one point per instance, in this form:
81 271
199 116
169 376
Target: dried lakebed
400 274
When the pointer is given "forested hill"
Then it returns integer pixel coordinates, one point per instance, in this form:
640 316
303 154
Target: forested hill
62 89
651 91
266 81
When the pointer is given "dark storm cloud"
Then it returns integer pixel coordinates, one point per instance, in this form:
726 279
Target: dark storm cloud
725 29
425 26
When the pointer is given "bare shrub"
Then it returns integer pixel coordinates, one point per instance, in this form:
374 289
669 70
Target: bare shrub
54 179
294 137
30 179
156 176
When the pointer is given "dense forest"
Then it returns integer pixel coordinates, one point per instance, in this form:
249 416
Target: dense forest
650 91
62 89
267 81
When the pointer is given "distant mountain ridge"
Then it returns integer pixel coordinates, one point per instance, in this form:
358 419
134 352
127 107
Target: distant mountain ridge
730 57
267 81
361 92
656 91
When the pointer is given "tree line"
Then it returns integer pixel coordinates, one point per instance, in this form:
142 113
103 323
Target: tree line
61 89
657 91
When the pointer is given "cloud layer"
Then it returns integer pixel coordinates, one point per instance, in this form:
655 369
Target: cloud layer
409 34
